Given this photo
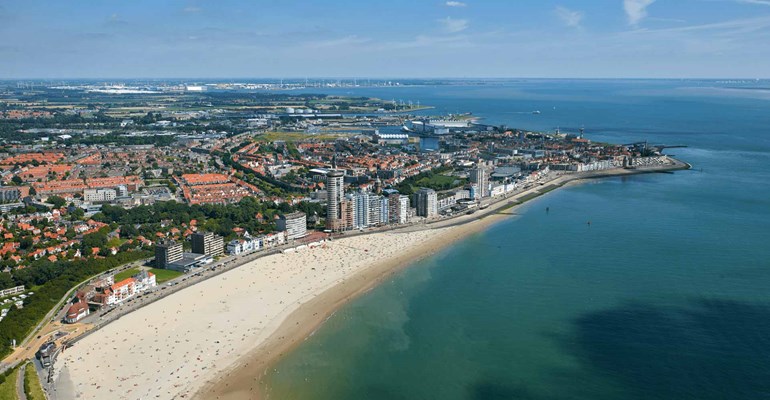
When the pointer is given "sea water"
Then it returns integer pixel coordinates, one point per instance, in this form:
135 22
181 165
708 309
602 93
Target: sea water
664 295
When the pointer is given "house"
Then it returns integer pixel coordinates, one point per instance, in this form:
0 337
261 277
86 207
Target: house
144 280
78 310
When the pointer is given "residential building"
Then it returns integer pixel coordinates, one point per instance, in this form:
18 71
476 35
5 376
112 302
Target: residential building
167 252
121 191
348 214
426 202
478 176
10 194
295 225
375 210
398 209
144 280
361 210
77 311
121 291
238 246
335 194
384 210
207 243
99 195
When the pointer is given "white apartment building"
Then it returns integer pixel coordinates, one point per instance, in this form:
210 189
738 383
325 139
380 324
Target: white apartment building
294 224
99 195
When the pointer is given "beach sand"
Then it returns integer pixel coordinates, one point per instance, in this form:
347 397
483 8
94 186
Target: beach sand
198 337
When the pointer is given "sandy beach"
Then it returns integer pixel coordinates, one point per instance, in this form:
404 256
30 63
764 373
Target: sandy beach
176 346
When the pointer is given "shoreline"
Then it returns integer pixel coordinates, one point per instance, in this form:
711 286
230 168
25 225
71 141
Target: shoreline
239 383
234 304
309 317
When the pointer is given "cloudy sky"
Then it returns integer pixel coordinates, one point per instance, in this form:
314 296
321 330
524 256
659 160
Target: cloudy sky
384 38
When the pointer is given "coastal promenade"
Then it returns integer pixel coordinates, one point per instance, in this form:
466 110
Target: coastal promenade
223 329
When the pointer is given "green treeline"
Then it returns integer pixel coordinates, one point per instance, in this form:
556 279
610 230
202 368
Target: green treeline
217 218
271 186
56 279
123 140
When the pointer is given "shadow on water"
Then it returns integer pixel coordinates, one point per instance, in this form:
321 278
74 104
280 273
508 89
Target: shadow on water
714 349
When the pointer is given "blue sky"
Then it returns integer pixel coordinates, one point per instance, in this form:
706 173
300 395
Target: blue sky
392 38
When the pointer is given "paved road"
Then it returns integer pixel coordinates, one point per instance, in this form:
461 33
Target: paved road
20 383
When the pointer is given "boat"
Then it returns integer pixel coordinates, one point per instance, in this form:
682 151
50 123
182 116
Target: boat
536 112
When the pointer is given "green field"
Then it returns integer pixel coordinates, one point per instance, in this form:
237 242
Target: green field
126 274
8 387
32 384
163 275
439 181
433 181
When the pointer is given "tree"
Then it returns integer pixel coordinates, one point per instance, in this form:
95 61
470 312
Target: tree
25 243
56 201
17 180
6 281
128 231
96 239
77 214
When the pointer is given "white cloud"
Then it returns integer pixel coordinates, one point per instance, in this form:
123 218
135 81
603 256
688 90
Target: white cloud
455 4
192 10
762 2
636 10
452 25
571 18
724 28
346 41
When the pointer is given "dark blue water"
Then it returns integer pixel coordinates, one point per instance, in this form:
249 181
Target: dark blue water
664 296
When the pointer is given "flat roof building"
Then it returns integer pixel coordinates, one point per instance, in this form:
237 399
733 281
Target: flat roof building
208 243
295 225
426 202
167 252
335 194
189 261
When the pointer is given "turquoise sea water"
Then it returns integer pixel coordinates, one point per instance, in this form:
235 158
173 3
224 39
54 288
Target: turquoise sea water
665 295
